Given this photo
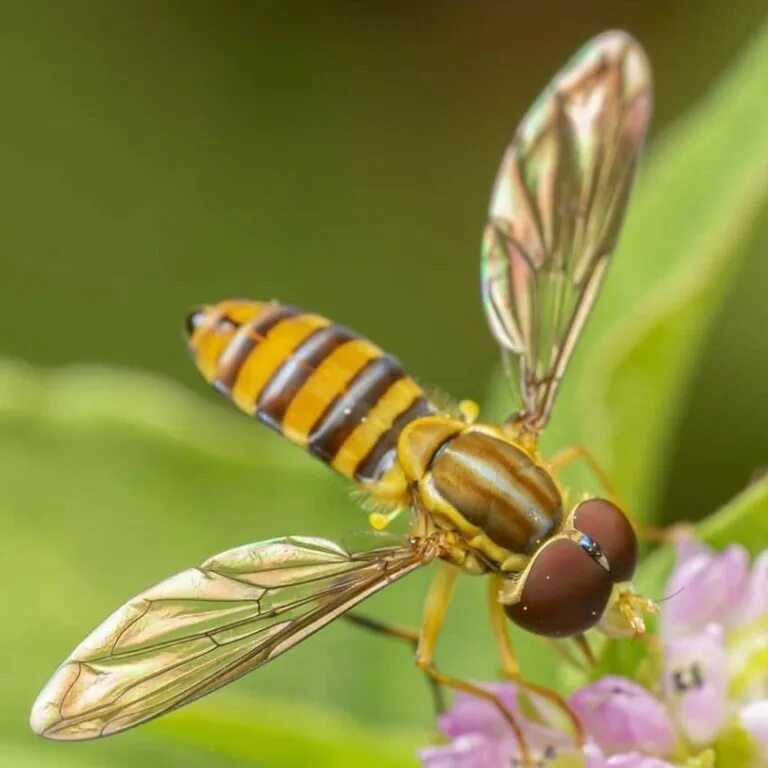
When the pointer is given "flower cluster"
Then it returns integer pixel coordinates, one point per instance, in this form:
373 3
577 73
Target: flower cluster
712 698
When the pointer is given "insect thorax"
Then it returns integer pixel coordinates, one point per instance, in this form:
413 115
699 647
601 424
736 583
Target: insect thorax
474 480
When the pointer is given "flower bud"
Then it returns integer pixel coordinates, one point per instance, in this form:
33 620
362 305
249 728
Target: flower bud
621 716
705 586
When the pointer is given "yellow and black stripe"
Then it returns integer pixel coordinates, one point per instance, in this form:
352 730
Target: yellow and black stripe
321 385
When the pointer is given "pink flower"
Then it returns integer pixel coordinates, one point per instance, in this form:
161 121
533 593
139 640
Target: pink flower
714 633
696 684
470 714
755 602
467 751
705 586
636 760
482 738
621 716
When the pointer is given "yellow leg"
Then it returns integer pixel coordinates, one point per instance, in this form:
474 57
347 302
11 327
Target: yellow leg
584 647
435 609
509 663
574 453
565 651
500 629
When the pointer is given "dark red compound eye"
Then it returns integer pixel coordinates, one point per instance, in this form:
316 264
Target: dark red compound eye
565 590
608 526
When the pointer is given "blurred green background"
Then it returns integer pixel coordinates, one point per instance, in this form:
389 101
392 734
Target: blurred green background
337 156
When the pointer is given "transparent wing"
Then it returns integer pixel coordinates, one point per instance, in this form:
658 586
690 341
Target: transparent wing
206 626
556 212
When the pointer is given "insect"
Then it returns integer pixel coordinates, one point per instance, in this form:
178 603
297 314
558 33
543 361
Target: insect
480 497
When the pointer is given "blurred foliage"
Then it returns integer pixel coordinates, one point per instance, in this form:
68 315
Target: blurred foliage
316 737
160 155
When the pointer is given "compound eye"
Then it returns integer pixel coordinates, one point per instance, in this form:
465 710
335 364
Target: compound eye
608 526
564 593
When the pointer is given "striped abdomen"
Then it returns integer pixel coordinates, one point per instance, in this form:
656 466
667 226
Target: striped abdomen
321 385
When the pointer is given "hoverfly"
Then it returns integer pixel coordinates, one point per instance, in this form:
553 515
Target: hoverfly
480 497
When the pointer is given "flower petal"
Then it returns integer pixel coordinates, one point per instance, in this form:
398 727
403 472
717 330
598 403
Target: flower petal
696 685
621 716
636 760
471 714
704 586
478 730
476 750
467 751
594 755
756 601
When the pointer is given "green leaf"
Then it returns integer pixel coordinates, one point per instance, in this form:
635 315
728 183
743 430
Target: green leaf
32 752
34 757
257 732
691 222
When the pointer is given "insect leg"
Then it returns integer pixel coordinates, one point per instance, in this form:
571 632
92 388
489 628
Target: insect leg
573 453
576 452
584 647
585 662
435 609
407 634
566 653
509 665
